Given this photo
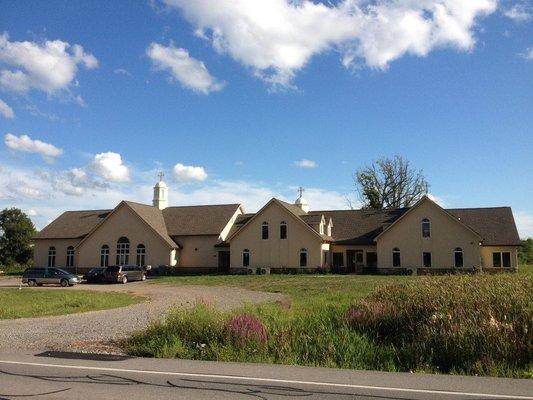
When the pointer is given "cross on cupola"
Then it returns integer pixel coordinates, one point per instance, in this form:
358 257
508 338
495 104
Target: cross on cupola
300 201
161 175
160 193
301 191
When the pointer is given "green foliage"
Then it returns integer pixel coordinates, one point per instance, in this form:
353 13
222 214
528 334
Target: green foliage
525 251
16 231
457 324
30 302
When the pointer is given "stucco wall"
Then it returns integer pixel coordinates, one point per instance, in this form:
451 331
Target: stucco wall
446 235
198 251
40 251
124 222
486 255
275 252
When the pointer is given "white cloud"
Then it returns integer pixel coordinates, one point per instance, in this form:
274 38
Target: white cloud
6 111
304 163
31 212
36 112
277 38
527 54
188 173
109 166
122 71
50 66
190 72
26 144
524 224
519 13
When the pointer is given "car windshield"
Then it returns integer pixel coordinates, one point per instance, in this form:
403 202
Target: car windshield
96 270
113 269
61 272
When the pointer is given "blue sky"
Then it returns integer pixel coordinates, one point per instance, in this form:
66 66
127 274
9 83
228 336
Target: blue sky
229 100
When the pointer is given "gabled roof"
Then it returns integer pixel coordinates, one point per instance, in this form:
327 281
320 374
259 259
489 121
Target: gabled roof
495 225
153 217
198 220
72 224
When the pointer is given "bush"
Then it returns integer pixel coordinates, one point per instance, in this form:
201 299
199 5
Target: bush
468 324
245 328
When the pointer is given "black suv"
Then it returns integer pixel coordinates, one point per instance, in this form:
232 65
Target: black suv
124 273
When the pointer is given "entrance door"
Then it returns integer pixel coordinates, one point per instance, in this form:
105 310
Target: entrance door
371 260
223 261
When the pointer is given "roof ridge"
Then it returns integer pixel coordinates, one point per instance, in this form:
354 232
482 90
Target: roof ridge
205 205
477 208
77 211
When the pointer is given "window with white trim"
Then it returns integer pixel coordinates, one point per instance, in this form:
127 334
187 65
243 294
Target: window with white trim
303 257
52 256
264 230
246 258
458 257
123 251
141 255
426 228
396 259
283 230
104 256
70 257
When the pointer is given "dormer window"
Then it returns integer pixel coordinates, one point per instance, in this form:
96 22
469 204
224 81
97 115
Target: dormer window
329 229
426 228
264 231
283 230
321 228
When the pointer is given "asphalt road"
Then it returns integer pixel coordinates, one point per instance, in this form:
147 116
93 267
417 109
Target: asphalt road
25 375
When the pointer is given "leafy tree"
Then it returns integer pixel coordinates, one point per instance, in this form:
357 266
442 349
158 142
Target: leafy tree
16 231
525 251
389 183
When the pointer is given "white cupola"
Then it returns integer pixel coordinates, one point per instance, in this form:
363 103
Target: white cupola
160 193
301 202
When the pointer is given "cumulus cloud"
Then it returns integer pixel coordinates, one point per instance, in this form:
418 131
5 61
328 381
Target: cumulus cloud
527 54
6 111
519 13
190 72
28 145
188 173
304 163
50 66
110 167
277 38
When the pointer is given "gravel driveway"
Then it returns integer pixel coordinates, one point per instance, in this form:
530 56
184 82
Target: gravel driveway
99 330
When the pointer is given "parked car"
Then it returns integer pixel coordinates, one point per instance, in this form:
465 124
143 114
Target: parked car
124 273
37 276
95 275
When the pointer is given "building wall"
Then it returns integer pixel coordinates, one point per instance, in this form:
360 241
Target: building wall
124 222
446 235
275 252
40 251
198 251
486 255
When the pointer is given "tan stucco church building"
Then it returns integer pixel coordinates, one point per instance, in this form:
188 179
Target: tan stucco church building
280 235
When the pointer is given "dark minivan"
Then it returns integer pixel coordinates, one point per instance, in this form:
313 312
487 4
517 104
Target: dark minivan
43 276
124 273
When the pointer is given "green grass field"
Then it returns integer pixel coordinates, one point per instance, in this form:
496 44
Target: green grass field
467 324
15 303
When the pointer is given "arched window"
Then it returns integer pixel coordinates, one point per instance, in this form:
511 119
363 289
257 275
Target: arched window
123 251
396 259
264 230
303 257
141 255
104 256
321 228
458 256
52 256
70 256
283 230
426 228
246 258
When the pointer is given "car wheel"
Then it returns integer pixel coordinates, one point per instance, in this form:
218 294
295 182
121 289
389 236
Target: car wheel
143 277
63 283
124 279
32 283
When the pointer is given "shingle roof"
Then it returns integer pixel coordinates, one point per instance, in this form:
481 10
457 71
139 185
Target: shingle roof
154 218
198 220
495 225
72 224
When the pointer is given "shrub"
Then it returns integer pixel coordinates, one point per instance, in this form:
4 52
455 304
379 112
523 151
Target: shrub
245 328
471 324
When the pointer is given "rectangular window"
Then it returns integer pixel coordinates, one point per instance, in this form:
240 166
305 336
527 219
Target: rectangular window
338 259
282 231
427 260
496 260
264 232
458 259
245 259
506 260
303 259
396 259
70 258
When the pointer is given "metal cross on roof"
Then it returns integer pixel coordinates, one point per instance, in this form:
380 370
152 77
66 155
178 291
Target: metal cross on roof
301 190
161 175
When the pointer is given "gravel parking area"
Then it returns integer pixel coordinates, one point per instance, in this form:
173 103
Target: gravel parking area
100 330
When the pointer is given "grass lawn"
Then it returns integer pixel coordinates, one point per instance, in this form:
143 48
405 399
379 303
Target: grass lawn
479 324
15 303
